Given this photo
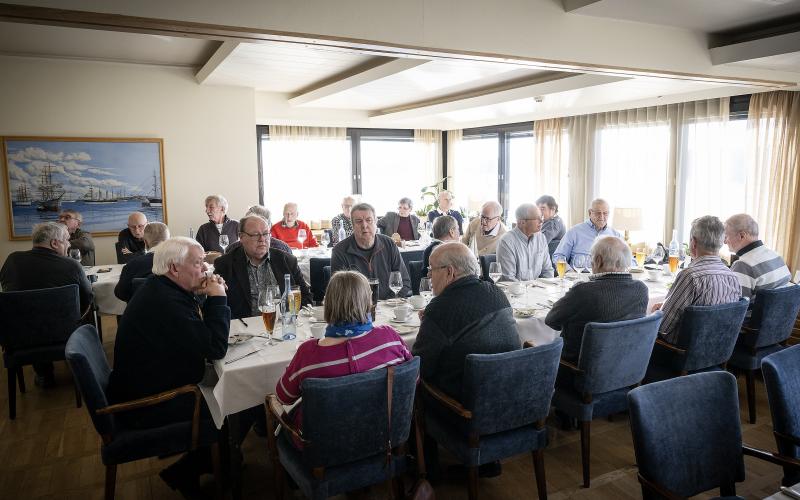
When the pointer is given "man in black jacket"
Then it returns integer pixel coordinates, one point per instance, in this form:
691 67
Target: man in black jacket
141 266
254 265
131 239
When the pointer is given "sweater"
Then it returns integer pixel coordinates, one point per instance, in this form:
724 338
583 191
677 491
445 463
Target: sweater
288 235
522 258
383 258
208 234
484 244
759 268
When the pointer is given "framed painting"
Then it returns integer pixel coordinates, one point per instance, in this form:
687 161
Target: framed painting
102 179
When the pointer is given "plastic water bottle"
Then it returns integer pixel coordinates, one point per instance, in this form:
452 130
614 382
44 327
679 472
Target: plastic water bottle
342 234
289 313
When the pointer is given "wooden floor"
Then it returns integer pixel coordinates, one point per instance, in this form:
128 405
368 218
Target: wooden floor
51 450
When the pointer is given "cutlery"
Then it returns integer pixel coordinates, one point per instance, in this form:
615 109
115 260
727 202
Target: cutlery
789 492
245 324
241 357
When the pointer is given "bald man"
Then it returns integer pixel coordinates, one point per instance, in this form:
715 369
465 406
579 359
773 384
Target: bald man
131 239
287 228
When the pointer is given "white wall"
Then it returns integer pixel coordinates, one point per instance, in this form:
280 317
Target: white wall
208 132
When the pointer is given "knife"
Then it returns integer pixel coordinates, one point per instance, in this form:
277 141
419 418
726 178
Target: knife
241 357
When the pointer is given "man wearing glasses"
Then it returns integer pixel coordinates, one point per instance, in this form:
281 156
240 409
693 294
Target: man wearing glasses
579 239
131 239
522 252
254 266
343 220
483 233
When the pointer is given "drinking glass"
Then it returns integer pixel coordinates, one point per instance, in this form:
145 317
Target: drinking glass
325 239
658 255
75 253
640 254
269 310
224 241
425 289
579 262
395 282
301 236
373 286
673 263
495 271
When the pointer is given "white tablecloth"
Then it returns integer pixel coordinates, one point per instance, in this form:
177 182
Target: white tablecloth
103 288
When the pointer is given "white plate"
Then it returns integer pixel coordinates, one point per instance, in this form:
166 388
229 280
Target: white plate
398 321
524 313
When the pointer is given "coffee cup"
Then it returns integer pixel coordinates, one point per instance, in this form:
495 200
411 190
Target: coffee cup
318 330
401 313
516 289
417 301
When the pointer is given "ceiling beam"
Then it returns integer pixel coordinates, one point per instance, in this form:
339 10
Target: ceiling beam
756 49
354 78
561 82
576 5
217 58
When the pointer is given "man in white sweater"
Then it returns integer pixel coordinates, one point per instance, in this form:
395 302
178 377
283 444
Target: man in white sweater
757 267
522 252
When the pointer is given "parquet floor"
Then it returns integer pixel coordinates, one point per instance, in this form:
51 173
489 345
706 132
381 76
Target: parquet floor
51 451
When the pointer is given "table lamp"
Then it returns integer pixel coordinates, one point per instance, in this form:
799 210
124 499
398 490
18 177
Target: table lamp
629 219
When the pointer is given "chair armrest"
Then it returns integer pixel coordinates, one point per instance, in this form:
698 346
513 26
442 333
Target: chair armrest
571 366
787 438
275 408
89 310
774 458
671 347
748 331
528 343
449 403
658 489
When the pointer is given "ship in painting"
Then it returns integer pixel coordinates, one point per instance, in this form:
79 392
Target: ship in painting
50 194
155 200
98 198
22 198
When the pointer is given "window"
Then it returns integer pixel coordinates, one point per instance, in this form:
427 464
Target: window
523 186
477 172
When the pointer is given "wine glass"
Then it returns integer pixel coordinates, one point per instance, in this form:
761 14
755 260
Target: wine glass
495 271
395 282
658 255
301 237
425 289
579 262
75 253
224 242
640 255
325 239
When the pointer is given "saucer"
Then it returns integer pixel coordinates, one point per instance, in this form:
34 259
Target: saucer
399 321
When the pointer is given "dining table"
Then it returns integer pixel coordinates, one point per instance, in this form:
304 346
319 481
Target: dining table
103 287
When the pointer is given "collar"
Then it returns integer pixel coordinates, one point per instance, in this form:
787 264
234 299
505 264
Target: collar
349 330
442 213
521 235
591 225
610 274
748 247
494 230
704 258
46 251
296 224
462 281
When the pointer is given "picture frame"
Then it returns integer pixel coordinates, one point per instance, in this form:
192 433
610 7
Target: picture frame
104 179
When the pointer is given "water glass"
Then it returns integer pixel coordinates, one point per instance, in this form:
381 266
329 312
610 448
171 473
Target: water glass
426 289
395 282
224 242
75 253
301 236
495 271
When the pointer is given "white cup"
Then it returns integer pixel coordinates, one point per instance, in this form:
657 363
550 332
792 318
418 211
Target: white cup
417 301
402 312
516 289
319 313
318 330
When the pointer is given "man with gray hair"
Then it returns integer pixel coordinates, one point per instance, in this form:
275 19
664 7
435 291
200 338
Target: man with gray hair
141 266
218 224
579 239
445 228
288 229
265 214
78 238
402 222
609 295
483 233
757 267
522 252
46 266
707 281
445 200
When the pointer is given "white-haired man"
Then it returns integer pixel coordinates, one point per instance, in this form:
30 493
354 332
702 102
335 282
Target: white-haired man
522 252
445 202
218 224
579 239
78 238
757 267
131 239
141 266
483 233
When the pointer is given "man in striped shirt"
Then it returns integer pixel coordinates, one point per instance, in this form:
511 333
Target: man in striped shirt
706 282
757 267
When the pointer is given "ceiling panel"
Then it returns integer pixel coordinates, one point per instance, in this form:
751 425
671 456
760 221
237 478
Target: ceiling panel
782 62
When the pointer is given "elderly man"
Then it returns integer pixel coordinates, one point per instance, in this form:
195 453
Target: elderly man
445 201
342 221
78 238
287 229
553 227
578 240
757 267
141 266
130 239
445 228
483 233
218 224
265 214
609 295
522 252
373 255
707 281
163 342
403 222
46 266
254 266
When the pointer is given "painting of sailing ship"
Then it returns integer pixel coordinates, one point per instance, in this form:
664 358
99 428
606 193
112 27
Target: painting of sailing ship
103 179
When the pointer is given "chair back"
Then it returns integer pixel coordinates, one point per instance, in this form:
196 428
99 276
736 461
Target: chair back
36 318
485 261
136 283
318 284
774 314
782 380
89 366
345 418
686 432
120 256
552 245
415 274
510 389
709 333
615 355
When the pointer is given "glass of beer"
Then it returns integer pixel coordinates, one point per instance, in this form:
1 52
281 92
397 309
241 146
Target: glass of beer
673 263
298 298
561 267
266 305
640 254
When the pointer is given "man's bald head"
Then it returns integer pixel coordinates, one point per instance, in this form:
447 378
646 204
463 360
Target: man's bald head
136 224
610 255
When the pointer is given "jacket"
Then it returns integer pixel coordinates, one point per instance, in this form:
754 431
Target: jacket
388 224
385 258
208 236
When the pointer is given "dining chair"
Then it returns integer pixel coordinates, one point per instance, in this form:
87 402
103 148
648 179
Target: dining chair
345 426
415 274
773 316
36 326
705 342
781 372
685 449
485 260
316 266
121 443
612 360
505 400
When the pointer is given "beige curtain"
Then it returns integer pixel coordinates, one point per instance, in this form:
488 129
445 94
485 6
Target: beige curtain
550 162
294 133
454 138
430 144
773 182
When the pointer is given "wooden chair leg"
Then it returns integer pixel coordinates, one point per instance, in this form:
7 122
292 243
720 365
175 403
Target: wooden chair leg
215 464
21 380
111 481
750 376
11 372
585 428
473 483
538 470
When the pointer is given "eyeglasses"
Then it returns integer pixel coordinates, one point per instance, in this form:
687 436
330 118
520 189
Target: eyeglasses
136 226
363 221
258 236
598 212
483 217
431 269
66 217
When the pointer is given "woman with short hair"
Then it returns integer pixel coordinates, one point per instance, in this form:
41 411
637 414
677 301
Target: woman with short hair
402 222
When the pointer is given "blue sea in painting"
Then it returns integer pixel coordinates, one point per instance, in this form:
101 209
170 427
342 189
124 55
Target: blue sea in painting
96 217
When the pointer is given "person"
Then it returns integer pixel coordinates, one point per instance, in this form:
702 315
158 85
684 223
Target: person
342 220
445 228
445 201
707 281
45 265
218 224
553 227
522 252
402 222
287 229
78 238
352 344
373 255
255 265
130 239
757 267
163 342
265 214
610 295
483 233
141 266
578 240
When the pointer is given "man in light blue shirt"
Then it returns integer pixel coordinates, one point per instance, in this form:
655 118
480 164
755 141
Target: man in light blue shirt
579 239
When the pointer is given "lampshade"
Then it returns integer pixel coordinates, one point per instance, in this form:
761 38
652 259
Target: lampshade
628 219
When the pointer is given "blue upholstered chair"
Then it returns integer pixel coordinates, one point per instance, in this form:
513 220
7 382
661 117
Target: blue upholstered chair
705 341
773 316
485 260
344 432
782 378
612 360
415 274
36 326
685 449
506 398
121 444
316 266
